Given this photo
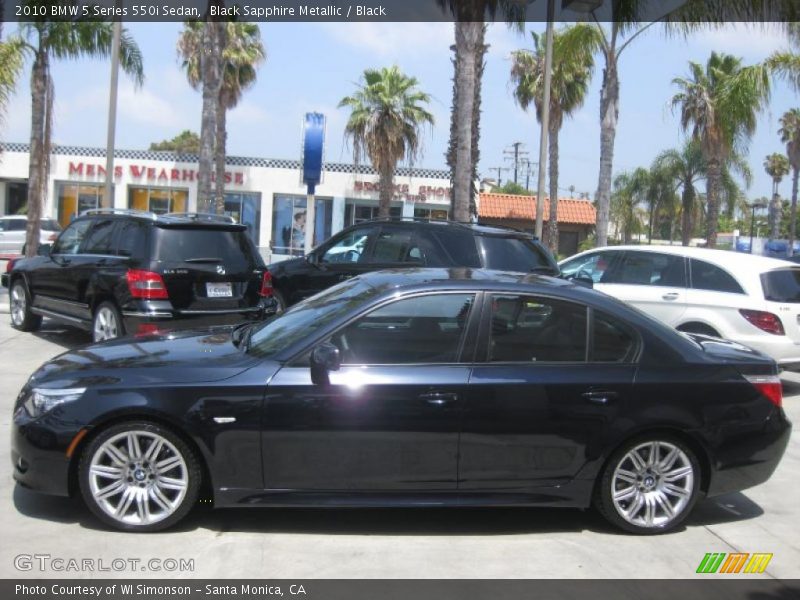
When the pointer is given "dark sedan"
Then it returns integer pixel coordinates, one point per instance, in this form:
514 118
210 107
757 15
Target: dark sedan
408 388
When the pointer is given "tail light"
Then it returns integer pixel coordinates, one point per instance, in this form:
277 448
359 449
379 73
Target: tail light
769 386
146 285
765 321
145 329
266 285
10 264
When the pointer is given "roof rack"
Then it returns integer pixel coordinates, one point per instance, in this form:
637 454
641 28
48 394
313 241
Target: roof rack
197 216
120 211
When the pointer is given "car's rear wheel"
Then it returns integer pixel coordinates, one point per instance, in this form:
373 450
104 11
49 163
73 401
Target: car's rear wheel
19 308
139 476
649 485
107 323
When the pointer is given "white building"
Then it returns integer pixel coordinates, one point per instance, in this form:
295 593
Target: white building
265 194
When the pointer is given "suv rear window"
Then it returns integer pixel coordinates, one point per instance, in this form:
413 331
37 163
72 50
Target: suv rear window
176 244
511 254
782 285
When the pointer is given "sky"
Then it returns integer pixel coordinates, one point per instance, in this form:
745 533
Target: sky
312 66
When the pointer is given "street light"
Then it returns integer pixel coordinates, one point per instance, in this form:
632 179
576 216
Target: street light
756 204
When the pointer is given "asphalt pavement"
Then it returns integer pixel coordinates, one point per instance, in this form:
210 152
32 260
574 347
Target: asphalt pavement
381 543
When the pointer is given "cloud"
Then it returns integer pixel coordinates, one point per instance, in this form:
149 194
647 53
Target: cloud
393 40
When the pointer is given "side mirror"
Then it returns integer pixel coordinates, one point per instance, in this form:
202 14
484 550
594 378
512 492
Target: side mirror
584 281
324 359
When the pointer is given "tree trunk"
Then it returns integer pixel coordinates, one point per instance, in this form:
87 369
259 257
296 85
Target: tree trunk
714 184
775 210
209 68
468 38
385 190
793 222
219 157
687 203
609 114
552 222
37 177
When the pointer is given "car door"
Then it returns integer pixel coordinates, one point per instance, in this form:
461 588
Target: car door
543 393
389 419
55 280
654 282
344 256
715 298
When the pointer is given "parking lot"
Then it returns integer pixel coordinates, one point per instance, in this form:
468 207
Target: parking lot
389 543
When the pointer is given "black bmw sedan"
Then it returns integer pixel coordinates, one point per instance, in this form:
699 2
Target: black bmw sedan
408 388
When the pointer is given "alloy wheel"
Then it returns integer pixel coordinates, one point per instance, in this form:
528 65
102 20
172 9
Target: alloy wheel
106 326
19 304
653 484
138 477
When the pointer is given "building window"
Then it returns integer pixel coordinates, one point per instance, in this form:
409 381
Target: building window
157 200
289 223
432 214
246 209
358 213
16 198
75 198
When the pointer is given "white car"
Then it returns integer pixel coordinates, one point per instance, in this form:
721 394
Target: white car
12 233
753 300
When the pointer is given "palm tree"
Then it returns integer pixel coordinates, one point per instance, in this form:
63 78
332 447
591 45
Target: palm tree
11 61
790 135
45 41
720 104
686 167
387 116
573 63
777 167
470 49
630 189
242 54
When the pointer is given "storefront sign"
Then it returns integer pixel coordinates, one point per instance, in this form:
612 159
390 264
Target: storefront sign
425 193
149 174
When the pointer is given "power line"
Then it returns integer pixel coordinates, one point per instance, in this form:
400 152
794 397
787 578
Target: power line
515 155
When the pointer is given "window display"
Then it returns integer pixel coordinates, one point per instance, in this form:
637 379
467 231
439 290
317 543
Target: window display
289 223
75 198
157 200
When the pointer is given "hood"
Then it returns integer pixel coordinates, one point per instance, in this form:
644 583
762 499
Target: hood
180 357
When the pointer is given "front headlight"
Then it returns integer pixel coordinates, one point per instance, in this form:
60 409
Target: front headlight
42 400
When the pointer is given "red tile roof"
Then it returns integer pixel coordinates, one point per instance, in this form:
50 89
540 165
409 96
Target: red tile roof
512 206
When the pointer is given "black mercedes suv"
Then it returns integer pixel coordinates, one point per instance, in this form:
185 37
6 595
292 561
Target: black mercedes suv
117 272
405 243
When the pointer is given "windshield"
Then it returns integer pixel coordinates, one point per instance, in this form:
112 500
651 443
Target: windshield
310 315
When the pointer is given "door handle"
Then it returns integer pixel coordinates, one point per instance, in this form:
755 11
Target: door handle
671 296
600 396
439 398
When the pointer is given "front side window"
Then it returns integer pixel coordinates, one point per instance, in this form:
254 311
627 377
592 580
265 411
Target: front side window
706 276
590 266
70 239
530 329
423 329
651 268
350 248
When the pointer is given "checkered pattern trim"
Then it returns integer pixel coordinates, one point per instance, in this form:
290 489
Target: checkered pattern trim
236 161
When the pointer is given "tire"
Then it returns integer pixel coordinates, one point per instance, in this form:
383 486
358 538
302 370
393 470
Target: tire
19 307
107 322
646 498
699 328
155 493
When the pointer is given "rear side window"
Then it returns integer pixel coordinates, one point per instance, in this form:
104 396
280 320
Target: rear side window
512 254
612 341
458 247
132 238
650 268
100 239
706 276
396 245
19 225
782 285
192 244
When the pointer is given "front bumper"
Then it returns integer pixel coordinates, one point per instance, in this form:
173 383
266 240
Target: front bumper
748 461
39 454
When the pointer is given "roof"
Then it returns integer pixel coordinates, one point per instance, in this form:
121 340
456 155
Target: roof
734 261
513 206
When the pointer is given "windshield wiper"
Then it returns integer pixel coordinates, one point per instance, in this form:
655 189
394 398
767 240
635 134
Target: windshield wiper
202 260
238 334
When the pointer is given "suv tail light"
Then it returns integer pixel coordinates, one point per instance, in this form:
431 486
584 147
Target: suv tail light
765 321
266 285
10 264
769 386
146 285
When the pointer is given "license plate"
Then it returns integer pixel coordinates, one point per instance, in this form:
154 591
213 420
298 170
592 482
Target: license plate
219 290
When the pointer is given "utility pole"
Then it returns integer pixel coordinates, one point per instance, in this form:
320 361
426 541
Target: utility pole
498 169
548 66
528 168
108 199
515 155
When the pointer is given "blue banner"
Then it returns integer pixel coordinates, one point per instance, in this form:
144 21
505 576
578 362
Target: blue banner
313 145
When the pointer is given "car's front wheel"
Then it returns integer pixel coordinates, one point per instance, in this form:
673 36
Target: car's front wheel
139 476
649 485
19 305
107 323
